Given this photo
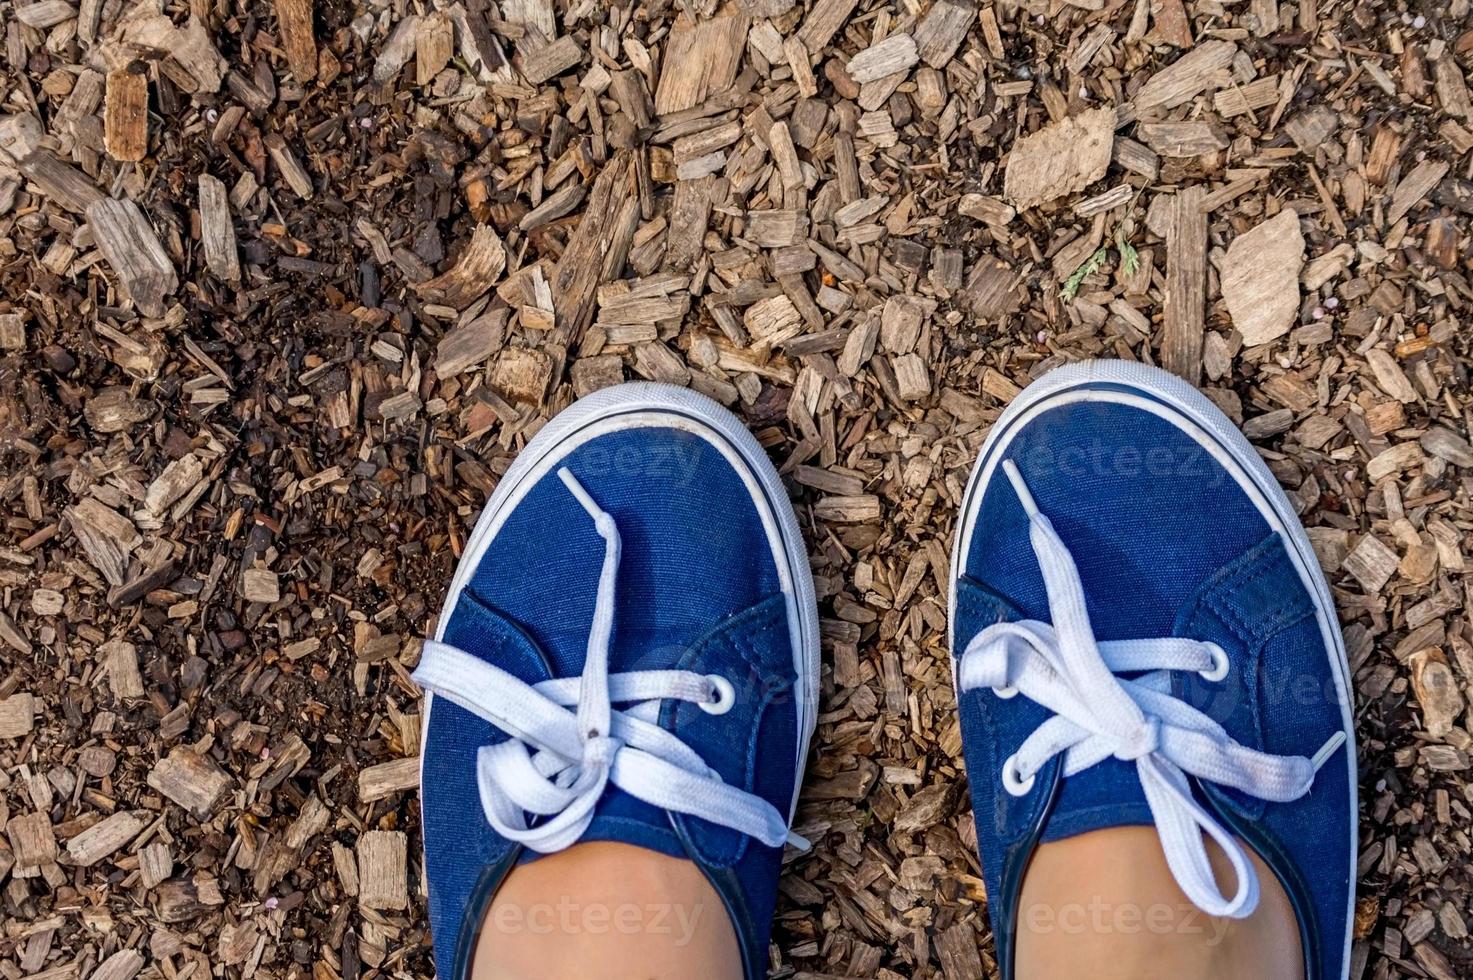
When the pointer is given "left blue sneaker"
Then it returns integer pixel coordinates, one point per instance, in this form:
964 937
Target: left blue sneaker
1141 635
629 653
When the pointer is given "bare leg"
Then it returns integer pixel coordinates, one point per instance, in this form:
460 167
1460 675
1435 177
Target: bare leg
607 910
1105 905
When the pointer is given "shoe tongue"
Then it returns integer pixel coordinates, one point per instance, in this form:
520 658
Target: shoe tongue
1107 794
623 819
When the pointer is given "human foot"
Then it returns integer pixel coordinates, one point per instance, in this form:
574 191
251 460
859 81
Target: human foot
1142 637
628 653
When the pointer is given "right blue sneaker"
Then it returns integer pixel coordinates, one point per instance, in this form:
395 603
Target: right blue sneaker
1141 635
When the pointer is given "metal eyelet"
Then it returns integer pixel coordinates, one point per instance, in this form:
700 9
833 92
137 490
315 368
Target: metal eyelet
725 696
1015 784
1220 664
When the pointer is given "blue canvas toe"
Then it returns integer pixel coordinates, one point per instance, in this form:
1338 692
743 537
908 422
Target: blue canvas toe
1141 635
628 653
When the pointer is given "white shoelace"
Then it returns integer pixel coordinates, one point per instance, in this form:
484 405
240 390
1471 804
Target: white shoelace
577 755
1097 715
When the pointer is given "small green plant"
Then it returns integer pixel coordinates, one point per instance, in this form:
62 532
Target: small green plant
1090 267
1130 259
1130 262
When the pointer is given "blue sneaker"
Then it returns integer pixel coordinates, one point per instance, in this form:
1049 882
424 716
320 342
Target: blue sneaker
1141 635
629 653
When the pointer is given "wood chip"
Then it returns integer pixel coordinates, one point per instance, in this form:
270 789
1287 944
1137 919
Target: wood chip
824 19
144 272
942 30
125 116
294 21
1390 376
1186 285
701 59
260 585
104 838
17 715
895 53
1414 187
217 230
33 843
434 46
61 182
386 779
1452 88
1182 139
289 167
1371 563
551 60
479 268
120 659
470 344
194 782
383 874
1060 159
1260 278
1437 691
521 375
1199 70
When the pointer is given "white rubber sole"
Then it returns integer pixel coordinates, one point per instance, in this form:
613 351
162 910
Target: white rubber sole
641 405
1168 397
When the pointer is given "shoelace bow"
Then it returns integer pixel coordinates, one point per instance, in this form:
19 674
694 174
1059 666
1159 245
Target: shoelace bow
556 764
1097 715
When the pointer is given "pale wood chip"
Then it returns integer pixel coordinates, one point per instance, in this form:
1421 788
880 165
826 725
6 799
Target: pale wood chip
217 230
125 964
1414 187
942 30
1390 376
1260 278
383 876
388 778
260 585
104 838
191 780
1199 70
121 661
1371 564
701 59
1437 691
479 267
17 715
32 841
127 240
895 53
471 343
1059 159
521 375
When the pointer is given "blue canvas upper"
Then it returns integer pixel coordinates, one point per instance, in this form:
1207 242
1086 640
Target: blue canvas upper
1167 543
698 589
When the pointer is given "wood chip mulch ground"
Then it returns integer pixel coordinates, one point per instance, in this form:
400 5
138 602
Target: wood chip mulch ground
284 286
